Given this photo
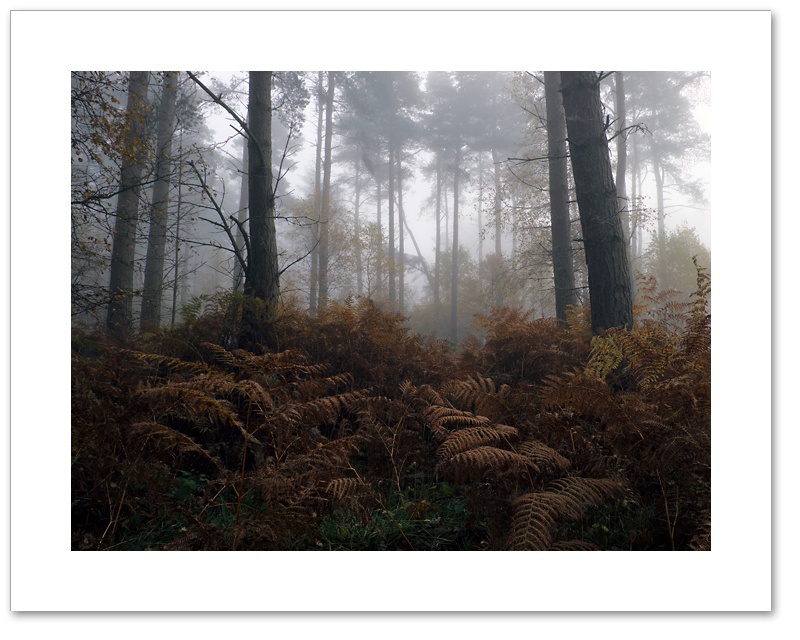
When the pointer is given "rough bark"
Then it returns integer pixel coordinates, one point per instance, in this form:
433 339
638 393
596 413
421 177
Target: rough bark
120 307
454 257
379 215
610 292
498 203
325 213
563 272
314 275
157 237
622 154
401 249
262 272
392 271
357 223
437 297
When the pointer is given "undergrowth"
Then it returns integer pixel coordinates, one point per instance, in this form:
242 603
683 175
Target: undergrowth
347 432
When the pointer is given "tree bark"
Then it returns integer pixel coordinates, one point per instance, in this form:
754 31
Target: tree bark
357 223
324 232
622 155
437 297
314 275
563 272
262 272
610 292
480 212
379 214
498 203
242 216
454 257
401 249
392 272
120 307
157 238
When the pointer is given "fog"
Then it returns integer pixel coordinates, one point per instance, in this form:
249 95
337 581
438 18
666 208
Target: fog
495 120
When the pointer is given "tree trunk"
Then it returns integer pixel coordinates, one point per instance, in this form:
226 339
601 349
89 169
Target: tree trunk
454 257
604 243
480 212
622 156
498 221
262 272
635 206
157 238
324 232
563 273
392 272
357 222
241 216
178 213
379 249
314 275
401 249
658 173
437 297
120 307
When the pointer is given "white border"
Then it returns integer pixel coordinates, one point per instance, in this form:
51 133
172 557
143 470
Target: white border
735 576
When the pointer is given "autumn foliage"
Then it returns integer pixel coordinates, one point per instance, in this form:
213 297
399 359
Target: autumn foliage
346 431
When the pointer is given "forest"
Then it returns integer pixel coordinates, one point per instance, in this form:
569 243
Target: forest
390 311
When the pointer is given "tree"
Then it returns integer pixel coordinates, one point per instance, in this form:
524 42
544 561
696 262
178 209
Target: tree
675 269
157 238
453 124
97 120
262 272
563 274
314 276
661 103
325 209
604 243
133 142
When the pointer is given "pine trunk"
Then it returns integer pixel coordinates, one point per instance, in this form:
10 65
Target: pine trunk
392 272
563 272
314 274
241 216
324 232
157 238
120 307
262 273
401 249
604 242
454 257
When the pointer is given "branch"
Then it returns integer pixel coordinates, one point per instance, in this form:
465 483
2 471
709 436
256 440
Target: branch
221 214
218 100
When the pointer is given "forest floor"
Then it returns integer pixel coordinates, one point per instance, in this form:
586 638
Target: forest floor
348 432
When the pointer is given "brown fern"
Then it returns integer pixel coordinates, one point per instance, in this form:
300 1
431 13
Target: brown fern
536 515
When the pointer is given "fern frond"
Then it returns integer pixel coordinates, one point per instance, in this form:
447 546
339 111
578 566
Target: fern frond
443 420
573 545
544 457
581 492
193 404
473 437
342 488
535 515
174 442
483 462
173 365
